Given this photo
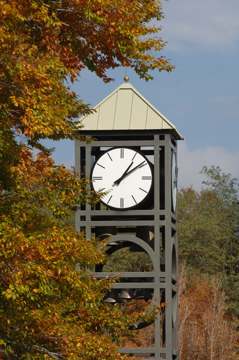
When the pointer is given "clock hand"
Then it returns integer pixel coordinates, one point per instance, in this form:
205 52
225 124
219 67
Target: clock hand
126 173
122 176
136 167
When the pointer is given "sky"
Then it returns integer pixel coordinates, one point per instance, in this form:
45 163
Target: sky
200 97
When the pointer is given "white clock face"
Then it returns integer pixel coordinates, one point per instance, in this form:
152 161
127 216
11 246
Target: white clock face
124 175
174 180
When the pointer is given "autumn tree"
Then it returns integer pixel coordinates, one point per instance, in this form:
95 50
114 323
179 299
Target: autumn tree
49 307
206 332
207 225
44 44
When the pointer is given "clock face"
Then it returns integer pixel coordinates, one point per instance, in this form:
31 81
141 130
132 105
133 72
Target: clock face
174 180
124 175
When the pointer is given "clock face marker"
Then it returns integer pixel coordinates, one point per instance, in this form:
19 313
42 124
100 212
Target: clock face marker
134 156
97 178
121 203
134 199
122 153
109 199
101 165
109 156
143 190
146 177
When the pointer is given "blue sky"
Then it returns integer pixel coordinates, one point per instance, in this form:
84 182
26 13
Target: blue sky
201 96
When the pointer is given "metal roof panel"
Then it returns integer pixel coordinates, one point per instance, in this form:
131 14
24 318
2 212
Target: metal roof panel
125 109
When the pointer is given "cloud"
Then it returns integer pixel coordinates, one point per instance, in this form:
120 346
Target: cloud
206 23
192 161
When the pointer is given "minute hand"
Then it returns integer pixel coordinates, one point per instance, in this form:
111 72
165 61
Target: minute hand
117 182
143 163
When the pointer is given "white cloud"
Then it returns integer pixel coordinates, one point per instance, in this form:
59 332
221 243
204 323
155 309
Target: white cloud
205 23
192 161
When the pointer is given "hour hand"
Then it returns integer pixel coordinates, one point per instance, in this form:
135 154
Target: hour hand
127 172
117 182
143 163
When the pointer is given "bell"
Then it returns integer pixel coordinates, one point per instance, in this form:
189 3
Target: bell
124 295
139 325
104 236
110 300
113 243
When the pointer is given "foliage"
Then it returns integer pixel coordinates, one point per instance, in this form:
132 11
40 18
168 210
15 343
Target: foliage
128 260
47 308
222 184
45 43
203 232
46 305
207 223
205 331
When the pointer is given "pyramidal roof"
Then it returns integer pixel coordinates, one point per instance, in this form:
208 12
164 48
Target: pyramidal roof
126 109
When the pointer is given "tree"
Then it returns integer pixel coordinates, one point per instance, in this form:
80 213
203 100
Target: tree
207 223
44 44
203 231
205 330
222 184
48 307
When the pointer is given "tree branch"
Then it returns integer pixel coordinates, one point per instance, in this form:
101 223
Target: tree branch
43 350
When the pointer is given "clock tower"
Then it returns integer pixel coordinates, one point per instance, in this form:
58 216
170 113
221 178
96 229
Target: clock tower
131 159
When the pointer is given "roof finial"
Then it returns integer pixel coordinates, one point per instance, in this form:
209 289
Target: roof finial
126 78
